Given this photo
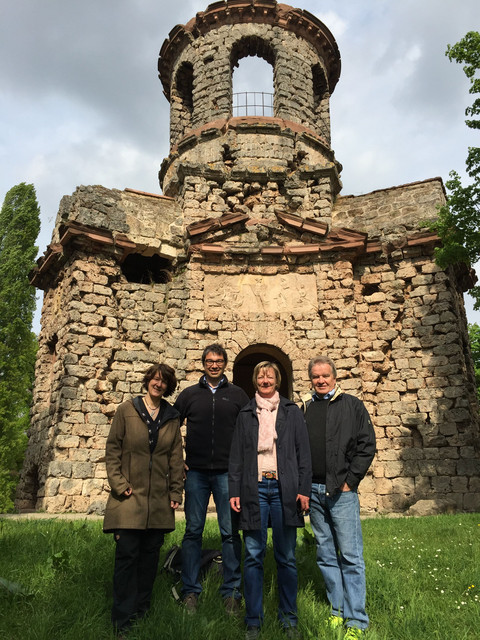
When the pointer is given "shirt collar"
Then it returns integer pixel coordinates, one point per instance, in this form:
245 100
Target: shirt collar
213 389
327 396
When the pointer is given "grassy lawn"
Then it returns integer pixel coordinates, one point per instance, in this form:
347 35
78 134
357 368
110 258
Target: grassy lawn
423 582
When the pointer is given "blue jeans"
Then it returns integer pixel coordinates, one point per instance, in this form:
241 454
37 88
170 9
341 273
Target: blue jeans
199 485
336 525
284 543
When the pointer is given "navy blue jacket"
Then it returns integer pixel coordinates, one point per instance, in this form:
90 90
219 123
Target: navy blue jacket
294 463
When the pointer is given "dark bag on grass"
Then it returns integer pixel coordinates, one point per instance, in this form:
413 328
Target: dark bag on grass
211 560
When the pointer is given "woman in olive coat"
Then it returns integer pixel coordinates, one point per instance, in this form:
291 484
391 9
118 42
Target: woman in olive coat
145 471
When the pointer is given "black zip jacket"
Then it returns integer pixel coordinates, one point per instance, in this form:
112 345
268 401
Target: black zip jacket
211 421
350 441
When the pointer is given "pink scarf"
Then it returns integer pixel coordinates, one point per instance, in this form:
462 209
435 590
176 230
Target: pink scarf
267 413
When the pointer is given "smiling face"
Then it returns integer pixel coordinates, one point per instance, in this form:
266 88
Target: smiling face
266 382
214 367
322 378
156 388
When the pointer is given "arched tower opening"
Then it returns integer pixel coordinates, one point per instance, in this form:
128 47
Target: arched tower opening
182 101
247 359
253 64
321 100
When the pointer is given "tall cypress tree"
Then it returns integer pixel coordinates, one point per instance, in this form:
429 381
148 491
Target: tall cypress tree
19 227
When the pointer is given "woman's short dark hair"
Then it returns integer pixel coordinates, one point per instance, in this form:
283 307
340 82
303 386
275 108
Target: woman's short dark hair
267 365
215 348
167 374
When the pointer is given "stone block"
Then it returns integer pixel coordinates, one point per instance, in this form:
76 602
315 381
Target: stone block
67 442
59 469
70 487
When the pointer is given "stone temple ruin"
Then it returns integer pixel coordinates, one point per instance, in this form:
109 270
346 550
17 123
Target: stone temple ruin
253 245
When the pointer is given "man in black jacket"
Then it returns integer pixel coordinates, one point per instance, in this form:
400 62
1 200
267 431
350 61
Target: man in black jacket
342 443
210 409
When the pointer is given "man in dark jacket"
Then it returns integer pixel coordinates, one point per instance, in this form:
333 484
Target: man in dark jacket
342 443
210 409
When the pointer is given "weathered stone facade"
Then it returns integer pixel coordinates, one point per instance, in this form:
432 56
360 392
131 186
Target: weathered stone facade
253 246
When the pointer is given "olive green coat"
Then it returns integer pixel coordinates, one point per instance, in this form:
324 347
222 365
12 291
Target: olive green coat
155 479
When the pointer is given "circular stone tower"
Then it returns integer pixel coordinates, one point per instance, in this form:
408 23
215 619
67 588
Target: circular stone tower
220 164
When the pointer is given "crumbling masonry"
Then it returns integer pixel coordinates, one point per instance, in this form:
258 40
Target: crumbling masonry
253 246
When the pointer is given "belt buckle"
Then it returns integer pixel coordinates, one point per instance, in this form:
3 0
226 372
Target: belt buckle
270 475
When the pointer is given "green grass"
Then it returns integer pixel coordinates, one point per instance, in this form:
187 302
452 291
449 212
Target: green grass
423 582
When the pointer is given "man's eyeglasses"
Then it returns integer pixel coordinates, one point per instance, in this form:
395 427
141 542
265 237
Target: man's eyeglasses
216 363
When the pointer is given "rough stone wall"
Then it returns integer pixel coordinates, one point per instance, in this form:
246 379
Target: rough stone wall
99 333
93 353
389 215
415 369
391 324
150 221
202 197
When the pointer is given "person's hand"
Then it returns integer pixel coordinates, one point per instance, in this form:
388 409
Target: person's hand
174 505
235 504
345 487
128 492
303 503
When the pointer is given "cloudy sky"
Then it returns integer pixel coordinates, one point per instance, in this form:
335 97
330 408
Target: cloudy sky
81 103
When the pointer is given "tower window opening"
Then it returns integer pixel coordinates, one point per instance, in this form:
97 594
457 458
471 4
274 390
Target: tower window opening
184 86
252 63
146 269
320 87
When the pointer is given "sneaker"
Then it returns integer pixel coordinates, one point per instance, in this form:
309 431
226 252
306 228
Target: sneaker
354 633
190 602
232 606
252 633
334 622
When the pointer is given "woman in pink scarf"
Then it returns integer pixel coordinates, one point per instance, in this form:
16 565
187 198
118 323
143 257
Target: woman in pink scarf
269 483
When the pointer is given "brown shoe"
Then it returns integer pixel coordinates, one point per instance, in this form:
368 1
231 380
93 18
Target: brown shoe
232 606
190 602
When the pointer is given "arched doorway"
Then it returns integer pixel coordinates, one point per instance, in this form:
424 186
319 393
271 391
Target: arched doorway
247 359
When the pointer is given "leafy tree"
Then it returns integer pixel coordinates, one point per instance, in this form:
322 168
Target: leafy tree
19 227
458 223
474 335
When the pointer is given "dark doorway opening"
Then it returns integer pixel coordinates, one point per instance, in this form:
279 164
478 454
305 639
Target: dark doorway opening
246 361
